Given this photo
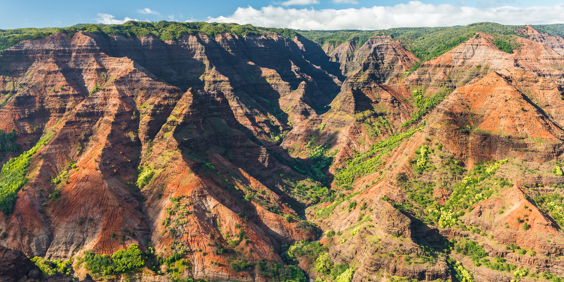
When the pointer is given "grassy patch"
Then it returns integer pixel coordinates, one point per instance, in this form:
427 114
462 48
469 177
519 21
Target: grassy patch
277 272
553 204
467 193
13 176
370 161
123 261
144 177
52 267
424 105
321 160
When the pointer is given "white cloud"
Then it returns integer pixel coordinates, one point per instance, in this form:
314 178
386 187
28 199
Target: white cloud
110 19
345 2
412 14
171 18
147 11
298 2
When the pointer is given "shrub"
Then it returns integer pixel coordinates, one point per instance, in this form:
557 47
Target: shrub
275 271
471 249
52 267
8 142
240 265
144 177
345 276
13 176
288 217
323 264
355 231
122 261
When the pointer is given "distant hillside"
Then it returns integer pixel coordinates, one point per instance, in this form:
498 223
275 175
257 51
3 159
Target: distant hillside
163 30
425 42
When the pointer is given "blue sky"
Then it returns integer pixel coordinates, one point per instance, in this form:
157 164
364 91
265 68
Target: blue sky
302 14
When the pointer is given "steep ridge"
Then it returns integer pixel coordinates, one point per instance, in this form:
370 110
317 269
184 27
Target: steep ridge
271 65
554 42
175 159
478 56
492 107
353 58
370 105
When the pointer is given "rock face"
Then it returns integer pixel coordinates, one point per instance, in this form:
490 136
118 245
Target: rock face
225 158
14 265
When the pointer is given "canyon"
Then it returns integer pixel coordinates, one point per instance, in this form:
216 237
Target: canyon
264 155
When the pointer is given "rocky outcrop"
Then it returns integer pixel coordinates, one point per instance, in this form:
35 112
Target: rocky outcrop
379 54
14 265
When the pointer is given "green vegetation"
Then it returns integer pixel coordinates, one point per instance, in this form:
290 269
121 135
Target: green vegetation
313 193
426 42
520 273
557 170
323 265
9 38
337 38
369 162
277 272
8 142
303 248
61 178
466 193
423 159
554 29
424 105
553 204
144 177
346 276
429 43
176 268
240 265
375 126
318 253
459 272
13 176
52 267
503 46
551 277
328 211
471 249
122 261
163 30
506 43
422 196
321 161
